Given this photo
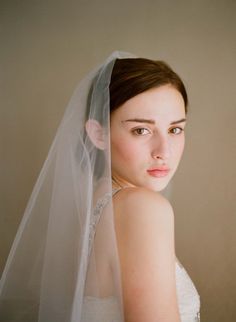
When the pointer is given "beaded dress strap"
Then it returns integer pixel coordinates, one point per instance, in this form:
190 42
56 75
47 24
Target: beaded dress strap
115 190
97 211
101 203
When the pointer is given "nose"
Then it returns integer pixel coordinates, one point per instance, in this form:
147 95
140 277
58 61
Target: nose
161 148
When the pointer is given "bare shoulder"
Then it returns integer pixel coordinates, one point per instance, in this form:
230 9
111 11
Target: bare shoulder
143 218
133 203
144 224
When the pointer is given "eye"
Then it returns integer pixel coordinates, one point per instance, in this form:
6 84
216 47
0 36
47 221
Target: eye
176 130
140 131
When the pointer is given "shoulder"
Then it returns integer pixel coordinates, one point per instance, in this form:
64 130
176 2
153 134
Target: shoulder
145 238
140 213
136 202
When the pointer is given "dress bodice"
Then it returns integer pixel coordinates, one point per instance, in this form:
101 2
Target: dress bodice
187 295
107 309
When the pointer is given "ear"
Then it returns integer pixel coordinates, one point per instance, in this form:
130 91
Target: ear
96 133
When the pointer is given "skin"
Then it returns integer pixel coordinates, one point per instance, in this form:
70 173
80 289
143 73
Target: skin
144 219
139 146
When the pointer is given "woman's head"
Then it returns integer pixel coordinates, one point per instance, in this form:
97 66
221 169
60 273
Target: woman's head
148 104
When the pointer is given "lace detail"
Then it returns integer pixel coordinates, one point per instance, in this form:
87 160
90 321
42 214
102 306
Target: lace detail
188 297
101 203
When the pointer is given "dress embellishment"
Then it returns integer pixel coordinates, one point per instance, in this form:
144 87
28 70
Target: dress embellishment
101 203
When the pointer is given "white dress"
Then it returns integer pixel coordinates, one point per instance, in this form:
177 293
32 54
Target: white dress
107 309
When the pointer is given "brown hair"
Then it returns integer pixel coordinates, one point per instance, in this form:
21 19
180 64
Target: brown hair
132 76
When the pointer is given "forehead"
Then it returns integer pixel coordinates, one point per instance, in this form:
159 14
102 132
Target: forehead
164 102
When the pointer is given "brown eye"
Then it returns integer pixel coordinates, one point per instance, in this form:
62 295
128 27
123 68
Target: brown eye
140 131
176 130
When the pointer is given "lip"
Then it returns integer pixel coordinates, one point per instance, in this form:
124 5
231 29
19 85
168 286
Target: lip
159 172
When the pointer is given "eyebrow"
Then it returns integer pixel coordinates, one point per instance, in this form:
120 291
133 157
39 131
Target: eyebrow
152 121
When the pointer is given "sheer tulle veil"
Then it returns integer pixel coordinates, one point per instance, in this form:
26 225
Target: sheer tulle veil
62 243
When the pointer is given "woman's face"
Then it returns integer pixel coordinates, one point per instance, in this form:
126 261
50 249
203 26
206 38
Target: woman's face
147 138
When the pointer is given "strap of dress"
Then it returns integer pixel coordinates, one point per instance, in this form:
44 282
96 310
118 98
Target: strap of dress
101 203
115 190
97 211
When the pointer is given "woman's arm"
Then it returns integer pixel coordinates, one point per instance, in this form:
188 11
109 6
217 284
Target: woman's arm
144 225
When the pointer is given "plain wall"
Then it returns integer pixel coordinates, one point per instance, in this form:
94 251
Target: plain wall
47 46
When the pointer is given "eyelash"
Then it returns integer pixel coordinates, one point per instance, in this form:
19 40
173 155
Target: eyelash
135 131
179 128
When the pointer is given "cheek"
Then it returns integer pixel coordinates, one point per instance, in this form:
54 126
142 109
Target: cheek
123 150
181 145
178 148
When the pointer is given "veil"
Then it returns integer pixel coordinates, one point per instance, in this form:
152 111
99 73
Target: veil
64 259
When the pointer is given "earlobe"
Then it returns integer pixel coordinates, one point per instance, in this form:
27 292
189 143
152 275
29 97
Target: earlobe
96 133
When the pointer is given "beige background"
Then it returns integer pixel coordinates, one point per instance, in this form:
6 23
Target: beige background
47 46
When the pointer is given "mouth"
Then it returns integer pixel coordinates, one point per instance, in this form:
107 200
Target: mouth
159 172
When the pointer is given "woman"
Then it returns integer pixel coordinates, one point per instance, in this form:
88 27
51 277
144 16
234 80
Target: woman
101 235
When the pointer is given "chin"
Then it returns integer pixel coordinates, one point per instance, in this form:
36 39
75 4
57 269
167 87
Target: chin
159 186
